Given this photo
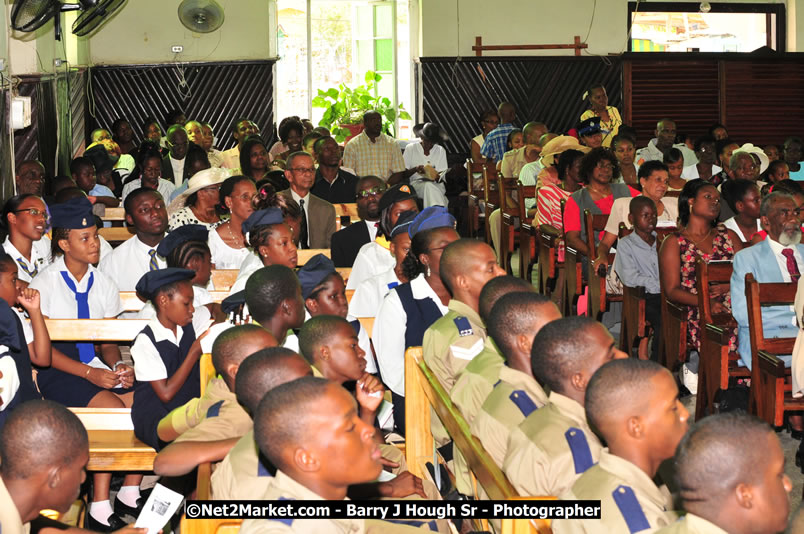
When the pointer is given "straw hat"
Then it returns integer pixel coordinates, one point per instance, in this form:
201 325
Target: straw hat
758 152
558 145
200 180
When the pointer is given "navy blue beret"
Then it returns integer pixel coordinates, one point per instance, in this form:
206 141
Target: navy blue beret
432 217
182 234
76 213
314 272
151 281
263 217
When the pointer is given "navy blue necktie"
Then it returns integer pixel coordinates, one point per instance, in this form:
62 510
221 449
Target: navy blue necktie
86 351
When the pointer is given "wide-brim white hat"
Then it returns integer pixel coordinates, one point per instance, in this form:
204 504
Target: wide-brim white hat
751 149
200 180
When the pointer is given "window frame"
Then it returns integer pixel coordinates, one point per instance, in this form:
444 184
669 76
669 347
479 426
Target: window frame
718 7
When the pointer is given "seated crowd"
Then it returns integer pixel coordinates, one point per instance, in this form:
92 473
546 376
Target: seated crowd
308 395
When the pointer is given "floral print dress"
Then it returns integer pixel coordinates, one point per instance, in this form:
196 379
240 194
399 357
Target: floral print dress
722 249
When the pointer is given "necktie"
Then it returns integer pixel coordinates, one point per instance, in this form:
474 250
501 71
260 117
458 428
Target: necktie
792 266
303 234
86 351
31 272
152 265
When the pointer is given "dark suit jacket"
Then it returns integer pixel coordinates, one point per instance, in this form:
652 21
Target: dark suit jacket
320 220
347 242
167 168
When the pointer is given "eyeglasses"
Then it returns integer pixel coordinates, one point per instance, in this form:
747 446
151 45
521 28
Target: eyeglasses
303 170
211 188
605 165
373 192
33 211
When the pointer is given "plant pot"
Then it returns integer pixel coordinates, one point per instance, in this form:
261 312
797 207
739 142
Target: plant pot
354 130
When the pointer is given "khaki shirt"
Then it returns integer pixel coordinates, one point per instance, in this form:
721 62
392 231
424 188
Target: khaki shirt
284 487
10 520
190 414
514 398
448 346
629 500
472 386
224 417
692 524
241 475
550 450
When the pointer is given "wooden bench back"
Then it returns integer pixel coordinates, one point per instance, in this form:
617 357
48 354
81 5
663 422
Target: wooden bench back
115 234
105 418
594 224
523 192
95 330
714 272
114 214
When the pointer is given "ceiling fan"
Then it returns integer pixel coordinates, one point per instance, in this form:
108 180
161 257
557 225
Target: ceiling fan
30 15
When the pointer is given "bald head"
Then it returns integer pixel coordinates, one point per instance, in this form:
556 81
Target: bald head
40 434
266 369
533 131
459 258
496 288
233 345
515 320
280 422
618 390
506 112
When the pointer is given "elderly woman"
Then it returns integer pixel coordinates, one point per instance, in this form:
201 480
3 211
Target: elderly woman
199 203
429 159
653 178
598 168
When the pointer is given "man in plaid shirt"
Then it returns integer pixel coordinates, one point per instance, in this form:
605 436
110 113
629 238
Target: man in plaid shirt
496 143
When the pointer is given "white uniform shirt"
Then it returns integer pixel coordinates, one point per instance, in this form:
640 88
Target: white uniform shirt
389 333
250 265
148 365
165 188
57 301
128 262
369 295
371 260
201 298
224 256
40 257
27 330
105 248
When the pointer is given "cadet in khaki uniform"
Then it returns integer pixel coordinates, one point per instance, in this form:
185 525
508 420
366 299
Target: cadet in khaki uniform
44 449
730 467
224 420
634 406
554 445
308 423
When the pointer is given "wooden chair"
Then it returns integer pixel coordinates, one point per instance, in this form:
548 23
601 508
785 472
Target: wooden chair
491 197
573 284
674 330
424 392
770 395
224 279
131 302
304 255
115 234
599 300
114 214
528 234
509 214
367 323
549 266
112 444
475 195
95 330
717 364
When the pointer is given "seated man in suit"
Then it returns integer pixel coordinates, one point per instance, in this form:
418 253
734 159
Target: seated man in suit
347 241
779 217
173 161
332 183
318 216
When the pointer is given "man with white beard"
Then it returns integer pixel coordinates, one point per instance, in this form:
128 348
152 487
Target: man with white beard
780 219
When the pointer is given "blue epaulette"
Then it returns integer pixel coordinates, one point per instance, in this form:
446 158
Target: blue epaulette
579 447
464 327
215 409
523 402
629 506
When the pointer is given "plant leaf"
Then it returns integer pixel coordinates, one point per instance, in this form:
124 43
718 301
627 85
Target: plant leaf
404 115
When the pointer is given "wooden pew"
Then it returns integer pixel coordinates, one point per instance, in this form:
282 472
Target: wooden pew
423 391
549 266
717 364
224 279
599 299
115 234
509 214
528 232
112 444
94 330
674 330
475 194
304 255
491 198
114 214
770 394
131 302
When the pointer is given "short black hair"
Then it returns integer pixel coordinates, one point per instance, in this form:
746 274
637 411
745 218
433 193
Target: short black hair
733 191
79 163
591 160
718 453
260 373
496 288
453 260
560 349
225 349
173 115
128 203
673 155
639 202
267 288
566 160
649 167
618 385
512 315
39 434
169 290
317 332
720 146
620 139
281 417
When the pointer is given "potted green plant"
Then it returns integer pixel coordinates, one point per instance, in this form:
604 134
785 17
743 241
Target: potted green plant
345 108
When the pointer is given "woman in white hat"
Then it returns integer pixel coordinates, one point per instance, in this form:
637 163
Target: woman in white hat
198 204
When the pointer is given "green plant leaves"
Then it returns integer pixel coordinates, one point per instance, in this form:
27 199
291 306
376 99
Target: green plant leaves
345 105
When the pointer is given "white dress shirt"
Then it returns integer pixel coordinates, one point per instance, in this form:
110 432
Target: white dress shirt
389 333
306 208
148 364
40 257
777 249
178 170
57 301
371 260
690 172
128 262
250 264
372 228
369 295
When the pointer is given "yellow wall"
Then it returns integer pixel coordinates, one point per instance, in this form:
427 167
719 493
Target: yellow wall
448 28
143 32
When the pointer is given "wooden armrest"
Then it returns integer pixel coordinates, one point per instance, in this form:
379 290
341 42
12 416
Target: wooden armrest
718 333
637 292
771 364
